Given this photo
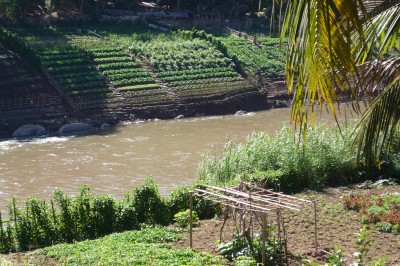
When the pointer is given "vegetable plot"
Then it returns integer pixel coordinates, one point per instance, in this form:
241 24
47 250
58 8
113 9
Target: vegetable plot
192 68
74 71
128 76
268 58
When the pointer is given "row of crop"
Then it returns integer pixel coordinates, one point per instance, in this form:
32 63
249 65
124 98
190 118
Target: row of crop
111 59
77 75
168 65
270 59
180 54
126 75
201 76
65 62
191 91
117 65
162 74
206 81
139 87
66 219
78 78
129 71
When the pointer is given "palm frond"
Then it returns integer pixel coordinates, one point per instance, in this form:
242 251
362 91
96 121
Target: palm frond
380 34
378 124
319 53
375 75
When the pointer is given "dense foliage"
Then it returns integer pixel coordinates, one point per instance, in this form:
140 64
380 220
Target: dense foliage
20 9
87 216
325 158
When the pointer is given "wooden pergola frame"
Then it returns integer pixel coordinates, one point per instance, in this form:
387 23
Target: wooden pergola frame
251 198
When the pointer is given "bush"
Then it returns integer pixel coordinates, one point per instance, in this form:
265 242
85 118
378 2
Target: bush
182 219
325 159
149 206
179 200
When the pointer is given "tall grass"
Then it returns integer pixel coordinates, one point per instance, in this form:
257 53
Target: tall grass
325 158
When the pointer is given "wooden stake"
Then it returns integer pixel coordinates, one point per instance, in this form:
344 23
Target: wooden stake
315 227
264 233
191 219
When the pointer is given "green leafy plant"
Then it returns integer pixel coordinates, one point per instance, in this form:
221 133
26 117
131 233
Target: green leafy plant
182 219
239 248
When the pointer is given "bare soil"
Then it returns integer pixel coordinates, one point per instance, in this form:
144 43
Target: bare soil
335 226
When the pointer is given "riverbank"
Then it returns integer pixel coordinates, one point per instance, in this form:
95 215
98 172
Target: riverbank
247 102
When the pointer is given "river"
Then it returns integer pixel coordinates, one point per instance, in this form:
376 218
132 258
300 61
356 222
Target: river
115 162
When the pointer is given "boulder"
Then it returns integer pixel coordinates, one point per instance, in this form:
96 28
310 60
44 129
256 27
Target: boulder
105 126
179 117
75 129
241 112
27 131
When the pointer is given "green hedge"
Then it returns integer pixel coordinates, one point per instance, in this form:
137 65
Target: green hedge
66 219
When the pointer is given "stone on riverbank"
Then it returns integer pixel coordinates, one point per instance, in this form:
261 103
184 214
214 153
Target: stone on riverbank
27 131
75 129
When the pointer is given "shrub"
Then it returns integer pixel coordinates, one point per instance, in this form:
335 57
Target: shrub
179 200
149 206
182 219
325 158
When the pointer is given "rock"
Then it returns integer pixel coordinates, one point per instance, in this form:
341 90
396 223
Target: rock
105 126
26 131
75 129
386 182
241 112
179 117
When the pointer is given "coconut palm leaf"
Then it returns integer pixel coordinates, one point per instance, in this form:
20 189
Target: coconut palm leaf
378 124
319 58
380 32
331 49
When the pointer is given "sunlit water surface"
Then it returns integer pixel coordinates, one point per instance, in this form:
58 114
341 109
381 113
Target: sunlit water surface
114 163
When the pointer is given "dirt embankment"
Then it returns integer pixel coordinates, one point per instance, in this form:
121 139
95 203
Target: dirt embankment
250 101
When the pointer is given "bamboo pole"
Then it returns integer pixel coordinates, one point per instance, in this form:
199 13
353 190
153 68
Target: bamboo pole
264 233
191 219
315 227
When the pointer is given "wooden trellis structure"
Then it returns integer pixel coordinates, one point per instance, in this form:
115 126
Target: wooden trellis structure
249 199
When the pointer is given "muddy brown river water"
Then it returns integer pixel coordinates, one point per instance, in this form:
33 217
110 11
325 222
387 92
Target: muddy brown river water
114 163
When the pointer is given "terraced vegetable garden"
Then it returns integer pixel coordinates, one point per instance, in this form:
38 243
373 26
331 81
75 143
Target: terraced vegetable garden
120 67
128 77
194 69
268 57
